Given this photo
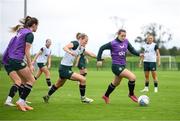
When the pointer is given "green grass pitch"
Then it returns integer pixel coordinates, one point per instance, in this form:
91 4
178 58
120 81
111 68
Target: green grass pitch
65 103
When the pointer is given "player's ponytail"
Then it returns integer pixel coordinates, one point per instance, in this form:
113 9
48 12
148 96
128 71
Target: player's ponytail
24 23
16 28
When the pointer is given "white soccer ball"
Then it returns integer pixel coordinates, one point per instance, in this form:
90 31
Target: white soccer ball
143 100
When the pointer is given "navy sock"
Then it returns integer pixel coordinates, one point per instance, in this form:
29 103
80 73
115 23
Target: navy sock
84 74
52 90
146 84
48 81
82 89
155 84
131 85
110 89
26 91
13 90
21 88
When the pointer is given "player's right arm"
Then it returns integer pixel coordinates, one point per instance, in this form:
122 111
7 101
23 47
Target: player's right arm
71 45
141 61
158 55
100 52
37 55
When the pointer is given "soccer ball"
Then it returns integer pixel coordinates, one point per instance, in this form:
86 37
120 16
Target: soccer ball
143 100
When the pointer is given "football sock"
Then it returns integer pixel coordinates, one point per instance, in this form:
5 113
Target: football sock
155 84
82 89
131 85
52 90
110 89
13 90
26 91
48 81
21 88
84 74
146 84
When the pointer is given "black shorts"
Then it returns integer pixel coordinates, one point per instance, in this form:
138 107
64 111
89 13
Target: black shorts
81 65
14 65
149 66
117 69
65 72
41 65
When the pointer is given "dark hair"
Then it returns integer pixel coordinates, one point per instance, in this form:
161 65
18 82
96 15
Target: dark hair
47 40
80 35
120 30
25 23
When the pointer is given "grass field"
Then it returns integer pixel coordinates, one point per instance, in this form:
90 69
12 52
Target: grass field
65 103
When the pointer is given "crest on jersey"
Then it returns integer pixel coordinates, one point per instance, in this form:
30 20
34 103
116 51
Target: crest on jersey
120 68
70 71
23 64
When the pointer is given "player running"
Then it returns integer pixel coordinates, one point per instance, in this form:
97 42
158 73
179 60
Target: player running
73 49
151 56
118 48
43 59
82 60
16 67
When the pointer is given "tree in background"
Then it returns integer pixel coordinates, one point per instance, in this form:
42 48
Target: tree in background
161 33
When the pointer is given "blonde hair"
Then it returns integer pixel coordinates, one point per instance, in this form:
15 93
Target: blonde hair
80 35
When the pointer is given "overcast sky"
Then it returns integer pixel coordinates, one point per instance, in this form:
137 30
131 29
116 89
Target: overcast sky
60 20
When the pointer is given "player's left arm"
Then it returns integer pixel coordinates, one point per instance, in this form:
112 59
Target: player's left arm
158 55
29 40
133 51
91 54
49 61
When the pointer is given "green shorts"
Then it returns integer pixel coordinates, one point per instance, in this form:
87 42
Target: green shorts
65 72
117 69
41 65
149 66
82 63
14 65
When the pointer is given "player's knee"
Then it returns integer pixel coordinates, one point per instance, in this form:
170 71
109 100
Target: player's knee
18 83
133 77
83 80
115 83
32 80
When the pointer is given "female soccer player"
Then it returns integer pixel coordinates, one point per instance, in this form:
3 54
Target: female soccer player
13 60
43 57
151 55
118 48
73 49
81 60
